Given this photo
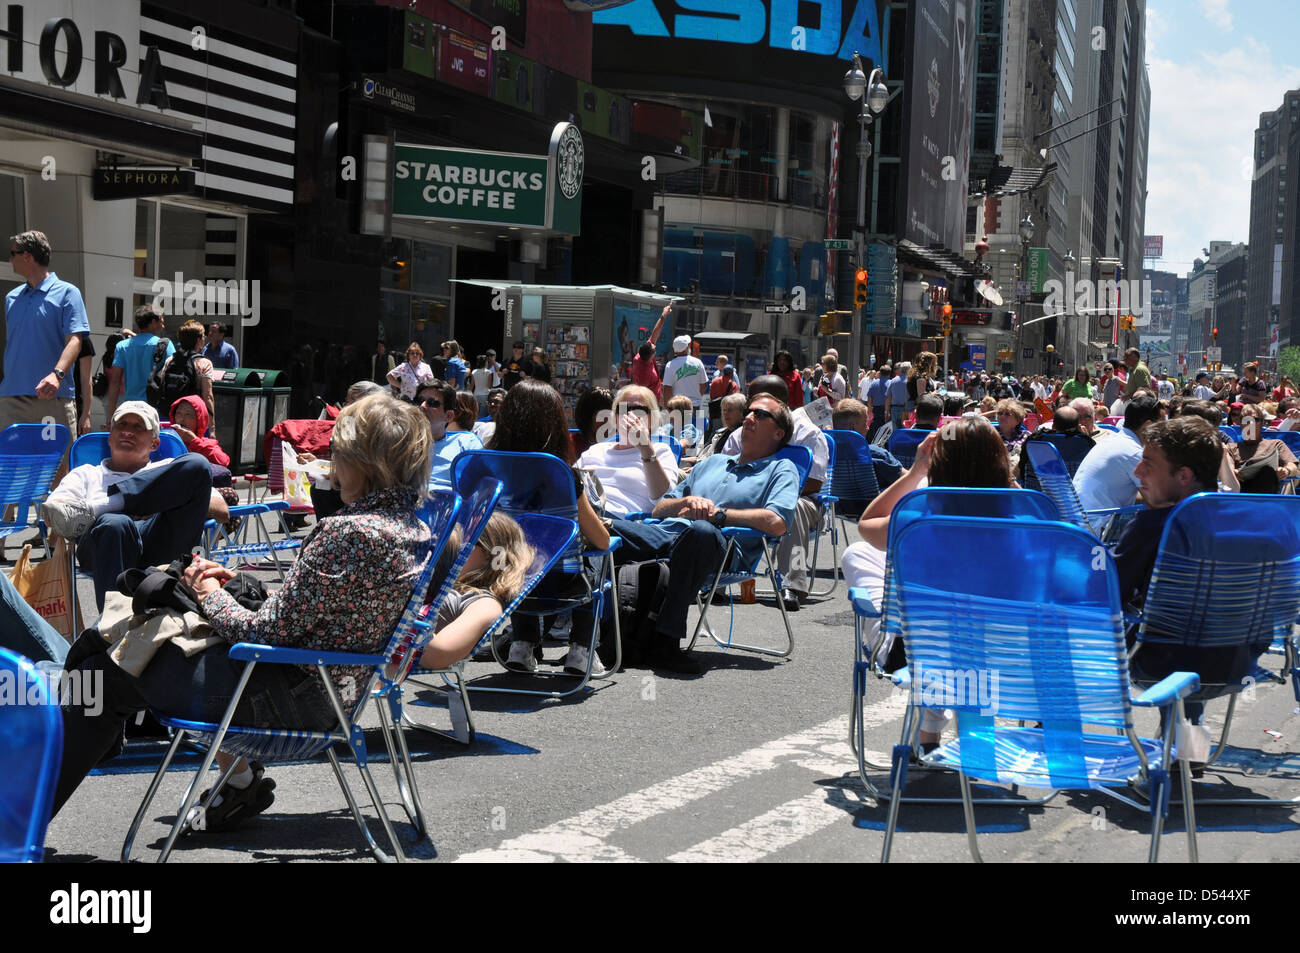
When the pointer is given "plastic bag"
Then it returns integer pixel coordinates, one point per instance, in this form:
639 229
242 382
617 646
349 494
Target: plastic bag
47 587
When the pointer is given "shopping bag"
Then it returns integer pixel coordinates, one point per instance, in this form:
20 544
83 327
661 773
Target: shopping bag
47 587
298 475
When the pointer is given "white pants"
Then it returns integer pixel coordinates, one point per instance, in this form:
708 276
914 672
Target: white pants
864 568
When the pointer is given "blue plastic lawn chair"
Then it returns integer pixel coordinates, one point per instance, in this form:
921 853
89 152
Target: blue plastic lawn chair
550 537
29 457
869 649
851 485
410 635
31 750
903 444
741 563
1289 437
1036 636
667 438
1049 466
826 499
542 483
1227 582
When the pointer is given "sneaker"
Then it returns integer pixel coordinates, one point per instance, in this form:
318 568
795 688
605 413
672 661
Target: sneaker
575 663
521 657
791 600
67 518
232 806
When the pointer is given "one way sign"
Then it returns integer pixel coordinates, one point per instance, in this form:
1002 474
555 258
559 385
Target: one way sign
776 309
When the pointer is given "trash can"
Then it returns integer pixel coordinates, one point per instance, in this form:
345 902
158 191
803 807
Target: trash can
240 401
275 406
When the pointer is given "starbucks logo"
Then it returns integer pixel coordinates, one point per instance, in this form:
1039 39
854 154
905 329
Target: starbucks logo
571 159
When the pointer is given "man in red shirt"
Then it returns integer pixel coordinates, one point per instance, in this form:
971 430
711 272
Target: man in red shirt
644 371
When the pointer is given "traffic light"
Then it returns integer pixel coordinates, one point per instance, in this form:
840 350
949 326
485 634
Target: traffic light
827 324
860 288
946 321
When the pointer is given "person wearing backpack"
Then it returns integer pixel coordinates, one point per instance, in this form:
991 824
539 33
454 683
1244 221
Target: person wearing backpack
187 373
137 359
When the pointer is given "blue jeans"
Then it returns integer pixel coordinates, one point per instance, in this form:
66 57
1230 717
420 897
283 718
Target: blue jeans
25 632
163 511
696 553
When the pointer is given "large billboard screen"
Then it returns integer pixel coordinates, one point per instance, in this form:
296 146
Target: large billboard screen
801 45
937 149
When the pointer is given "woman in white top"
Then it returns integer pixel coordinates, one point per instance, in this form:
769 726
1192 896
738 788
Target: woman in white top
634 471
480 382
407 377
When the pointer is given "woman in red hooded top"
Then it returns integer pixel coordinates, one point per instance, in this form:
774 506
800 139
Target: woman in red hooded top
189 417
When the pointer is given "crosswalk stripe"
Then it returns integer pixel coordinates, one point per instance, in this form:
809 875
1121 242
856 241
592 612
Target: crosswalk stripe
583 836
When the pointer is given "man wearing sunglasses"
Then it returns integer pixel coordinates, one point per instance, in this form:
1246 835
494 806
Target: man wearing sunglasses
792 554
45 319
751 488
437 401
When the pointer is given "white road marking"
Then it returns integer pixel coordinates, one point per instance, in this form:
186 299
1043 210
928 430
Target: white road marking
583 836
768 833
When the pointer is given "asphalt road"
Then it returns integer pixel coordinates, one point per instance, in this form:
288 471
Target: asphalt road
746 762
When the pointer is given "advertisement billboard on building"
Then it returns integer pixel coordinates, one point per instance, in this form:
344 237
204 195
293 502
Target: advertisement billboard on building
938 106
1153 246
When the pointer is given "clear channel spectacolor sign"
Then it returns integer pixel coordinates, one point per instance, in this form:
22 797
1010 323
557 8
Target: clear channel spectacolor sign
492 188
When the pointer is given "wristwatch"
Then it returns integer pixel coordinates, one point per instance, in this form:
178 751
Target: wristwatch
719 518
60 374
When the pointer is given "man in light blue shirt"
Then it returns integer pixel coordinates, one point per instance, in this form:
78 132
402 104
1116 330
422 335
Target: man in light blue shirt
434 399
44 320
877 395
219 351
1106 479
896 395
135 358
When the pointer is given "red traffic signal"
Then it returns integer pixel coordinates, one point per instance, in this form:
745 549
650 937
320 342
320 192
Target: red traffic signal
860 288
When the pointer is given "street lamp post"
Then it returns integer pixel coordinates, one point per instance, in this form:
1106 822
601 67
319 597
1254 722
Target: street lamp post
874 95
1026 236
1070 351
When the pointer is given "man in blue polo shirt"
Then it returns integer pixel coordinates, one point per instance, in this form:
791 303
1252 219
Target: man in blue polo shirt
221 352
752 489
44 320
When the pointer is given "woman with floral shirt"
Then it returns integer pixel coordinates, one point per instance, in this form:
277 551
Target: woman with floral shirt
345 593
407 377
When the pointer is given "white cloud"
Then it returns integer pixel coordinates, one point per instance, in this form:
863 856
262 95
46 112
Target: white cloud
1217 12
1156 28
1204 111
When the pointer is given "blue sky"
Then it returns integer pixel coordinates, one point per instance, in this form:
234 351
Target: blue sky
1214 66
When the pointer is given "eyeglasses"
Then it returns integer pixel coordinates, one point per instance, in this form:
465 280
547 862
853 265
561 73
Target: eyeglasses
760 413
637 409
430 402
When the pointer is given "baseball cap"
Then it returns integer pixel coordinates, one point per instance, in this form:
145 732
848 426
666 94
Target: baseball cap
491 351
1237 405
681 342
141 410
1202 374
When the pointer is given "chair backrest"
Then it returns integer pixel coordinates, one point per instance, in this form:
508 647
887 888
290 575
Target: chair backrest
31 749
1118 421
550 537
1113 428
903 444
1231 431
93 448
453 522
667 438
1054 477
801 457
531 482
1289 437
852 472
973 502
1036 634
29 457
1227 571
1073 448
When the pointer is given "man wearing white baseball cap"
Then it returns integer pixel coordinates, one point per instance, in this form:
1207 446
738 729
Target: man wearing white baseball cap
128 512
687 376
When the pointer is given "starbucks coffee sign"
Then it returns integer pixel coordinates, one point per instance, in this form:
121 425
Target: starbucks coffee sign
492 188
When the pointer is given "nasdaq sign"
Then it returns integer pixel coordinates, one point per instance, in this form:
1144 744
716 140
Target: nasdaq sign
839 28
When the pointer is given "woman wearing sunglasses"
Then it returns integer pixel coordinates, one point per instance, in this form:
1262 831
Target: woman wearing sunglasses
633 470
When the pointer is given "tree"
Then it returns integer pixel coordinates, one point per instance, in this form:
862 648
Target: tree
1288 363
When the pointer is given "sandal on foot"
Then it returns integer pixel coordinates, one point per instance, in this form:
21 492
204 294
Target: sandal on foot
235 805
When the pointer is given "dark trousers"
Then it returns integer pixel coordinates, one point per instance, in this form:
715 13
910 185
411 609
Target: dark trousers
878 419
163 511
694 553
197 687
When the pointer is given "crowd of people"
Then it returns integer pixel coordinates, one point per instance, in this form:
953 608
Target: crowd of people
402 427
